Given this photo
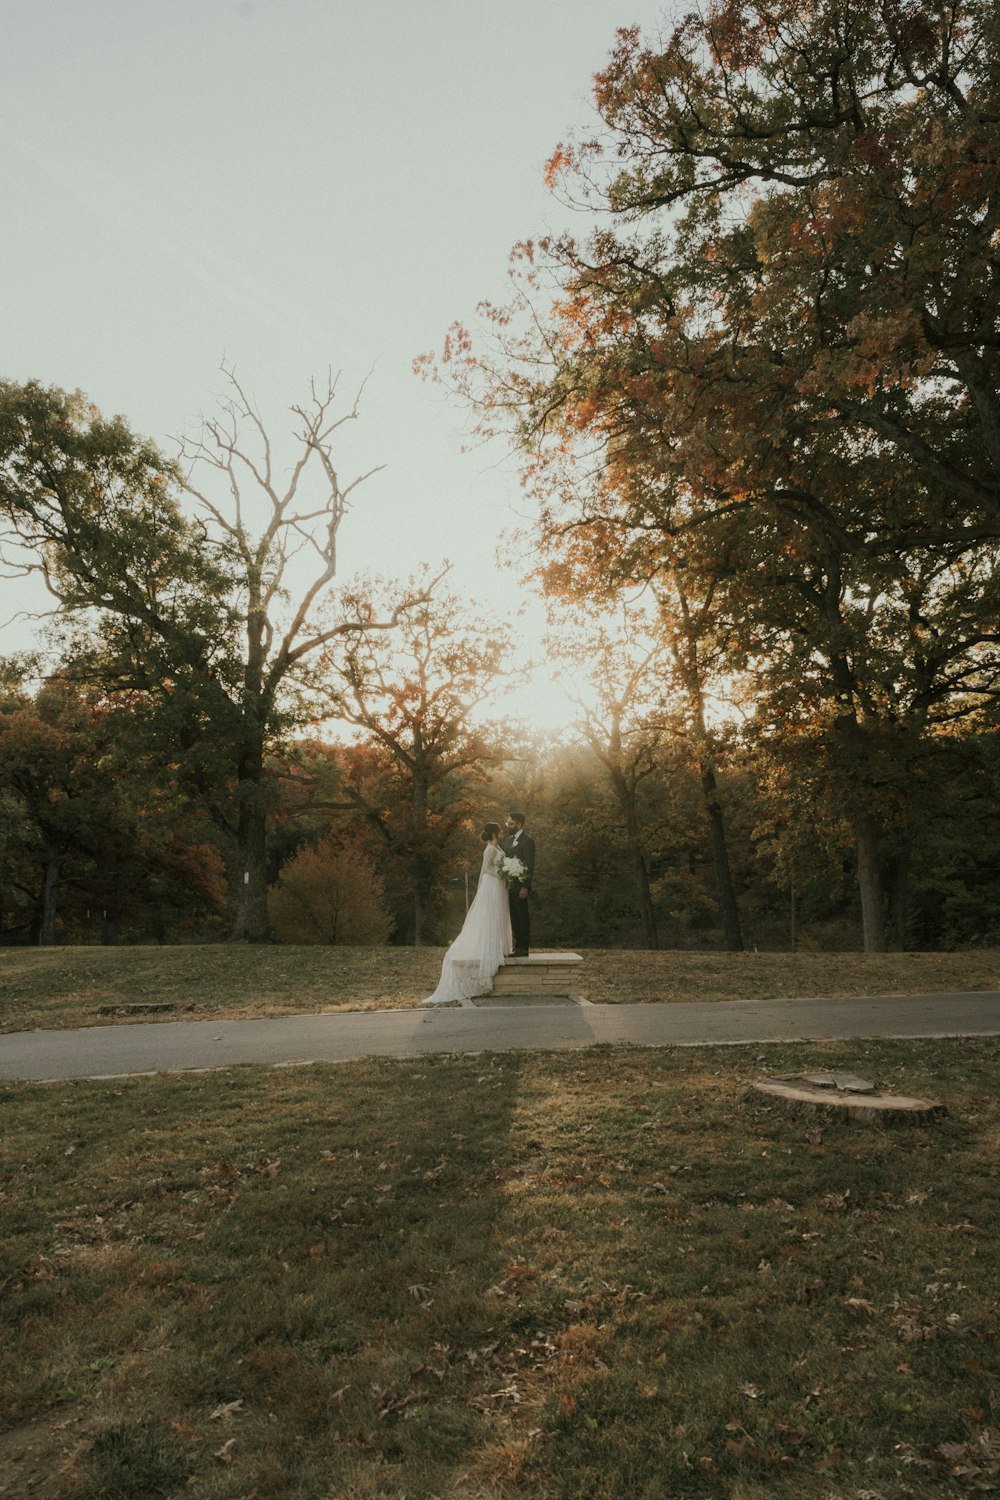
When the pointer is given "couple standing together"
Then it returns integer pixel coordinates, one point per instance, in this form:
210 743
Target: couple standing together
497 925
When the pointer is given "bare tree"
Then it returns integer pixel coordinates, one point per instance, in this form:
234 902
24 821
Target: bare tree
279 537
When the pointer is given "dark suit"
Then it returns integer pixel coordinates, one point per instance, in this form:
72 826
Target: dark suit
523 848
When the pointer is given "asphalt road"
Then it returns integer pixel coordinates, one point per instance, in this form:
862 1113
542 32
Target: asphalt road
179 1046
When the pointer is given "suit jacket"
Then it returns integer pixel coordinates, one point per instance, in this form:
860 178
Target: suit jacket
524 850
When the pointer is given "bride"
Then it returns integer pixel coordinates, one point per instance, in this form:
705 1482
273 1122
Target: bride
485 938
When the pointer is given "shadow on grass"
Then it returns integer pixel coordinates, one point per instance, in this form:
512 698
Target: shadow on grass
308 1255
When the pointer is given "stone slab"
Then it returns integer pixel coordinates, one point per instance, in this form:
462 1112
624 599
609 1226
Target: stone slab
543 975
485 1002
542 957
515 985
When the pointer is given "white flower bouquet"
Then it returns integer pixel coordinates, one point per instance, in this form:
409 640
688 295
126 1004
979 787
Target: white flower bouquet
514 870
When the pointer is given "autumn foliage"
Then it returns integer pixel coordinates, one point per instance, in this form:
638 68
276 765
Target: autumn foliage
771 376
330 894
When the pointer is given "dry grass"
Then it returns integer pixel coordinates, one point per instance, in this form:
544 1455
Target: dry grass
63 987
612 977
597 1274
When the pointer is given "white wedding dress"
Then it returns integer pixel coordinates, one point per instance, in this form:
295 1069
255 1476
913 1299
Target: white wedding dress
485 938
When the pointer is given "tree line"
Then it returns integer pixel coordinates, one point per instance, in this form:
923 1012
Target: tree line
112 829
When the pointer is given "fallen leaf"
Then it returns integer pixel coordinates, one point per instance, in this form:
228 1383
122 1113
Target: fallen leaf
225 1453
226 1409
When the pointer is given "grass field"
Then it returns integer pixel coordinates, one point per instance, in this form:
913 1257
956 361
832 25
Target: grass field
61 987
511 1277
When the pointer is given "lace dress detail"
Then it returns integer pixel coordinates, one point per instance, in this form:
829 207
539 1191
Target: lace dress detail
485 938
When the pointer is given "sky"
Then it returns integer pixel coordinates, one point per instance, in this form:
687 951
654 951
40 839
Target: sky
289 187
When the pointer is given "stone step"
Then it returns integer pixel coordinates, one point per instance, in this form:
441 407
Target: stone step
543 974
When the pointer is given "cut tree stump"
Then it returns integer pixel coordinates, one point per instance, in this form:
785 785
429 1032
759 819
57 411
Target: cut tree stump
843 1096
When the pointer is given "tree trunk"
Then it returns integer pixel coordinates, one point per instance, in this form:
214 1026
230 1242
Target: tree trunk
728 907
641 873
686 656
418 870
50 884
421 903
899 897
856 770
626 796
870 883
646 909
251 924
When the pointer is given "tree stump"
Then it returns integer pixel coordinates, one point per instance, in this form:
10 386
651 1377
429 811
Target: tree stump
843 1096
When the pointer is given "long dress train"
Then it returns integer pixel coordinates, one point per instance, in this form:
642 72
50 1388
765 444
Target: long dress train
478 951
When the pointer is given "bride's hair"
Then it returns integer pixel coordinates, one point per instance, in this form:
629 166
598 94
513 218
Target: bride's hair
490 831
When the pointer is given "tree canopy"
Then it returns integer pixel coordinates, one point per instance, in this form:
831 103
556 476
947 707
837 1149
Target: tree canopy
770 375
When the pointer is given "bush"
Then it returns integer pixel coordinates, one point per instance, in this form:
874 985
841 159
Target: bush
330 894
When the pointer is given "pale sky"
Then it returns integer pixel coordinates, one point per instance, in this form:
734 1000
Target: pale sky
290 185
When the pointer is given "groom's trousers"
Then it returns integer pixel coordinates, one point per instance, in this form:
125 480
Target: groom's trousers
520 920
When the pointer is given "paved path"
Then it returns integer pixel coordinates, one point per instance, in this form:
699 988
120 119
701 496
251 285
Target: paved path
172 1046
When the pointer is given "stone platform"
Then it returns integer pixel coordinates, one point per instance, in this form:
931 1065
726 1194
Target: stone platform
541 976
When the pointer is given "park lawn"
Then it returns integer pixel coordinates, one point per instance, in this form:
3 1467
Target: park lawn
600 1274
66 987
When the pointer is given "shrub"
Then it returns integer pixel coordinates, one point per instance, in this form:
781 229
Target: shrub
330 894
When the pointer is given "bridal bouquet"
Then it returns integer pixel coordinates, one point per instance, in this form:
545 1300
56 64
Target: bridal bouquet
514 870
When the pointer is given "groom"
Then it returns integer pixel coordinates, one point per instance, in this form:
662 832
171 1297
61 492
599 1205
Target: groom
518 844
